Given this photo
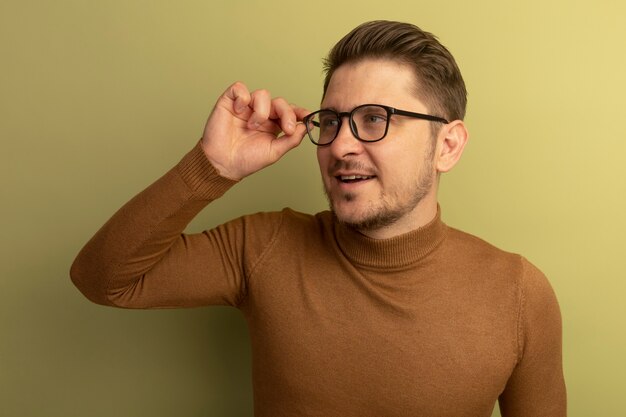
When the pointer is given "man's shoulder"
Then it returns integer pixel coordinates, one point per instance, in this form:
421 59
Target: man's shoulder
288 222
482 254
290 216
474 243
477 251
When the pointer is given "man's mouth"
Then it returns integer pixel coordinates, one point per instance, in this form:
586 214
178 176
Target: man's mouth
353 178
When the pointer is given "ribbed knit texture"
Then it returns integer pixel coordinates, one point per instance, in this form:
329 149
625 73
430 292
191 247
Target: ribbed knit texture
200 175
434 322
397 252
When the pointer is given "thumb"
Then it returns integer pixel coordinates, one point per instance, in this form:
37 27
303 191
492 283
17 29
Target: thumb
285 143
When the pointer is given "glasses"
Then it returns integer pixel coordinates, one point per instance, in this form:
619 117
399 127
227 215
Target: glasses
368 122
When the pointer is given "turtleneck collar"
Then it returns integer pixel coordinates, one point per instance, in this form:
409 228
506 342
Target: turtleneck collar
396 252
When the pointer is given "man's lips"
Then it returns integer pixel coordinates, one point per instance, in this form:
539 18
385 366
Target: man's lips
349 178
344 177
351 172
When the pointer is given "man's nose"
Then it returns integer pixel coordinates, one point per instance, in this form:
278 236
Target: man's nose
345 142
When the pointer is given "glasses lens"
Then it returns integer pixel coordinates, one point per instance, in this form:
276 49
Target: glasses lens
323 127
370 122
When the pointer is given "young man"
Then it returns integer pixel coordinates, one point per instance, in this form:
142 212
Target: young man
376 307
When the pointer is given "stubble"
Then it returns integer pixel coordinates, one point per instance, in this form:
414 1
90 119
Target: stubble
388 209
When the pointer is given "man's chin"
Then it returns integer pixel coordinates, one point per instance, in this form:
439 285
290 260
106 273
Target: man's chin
366 221
354 214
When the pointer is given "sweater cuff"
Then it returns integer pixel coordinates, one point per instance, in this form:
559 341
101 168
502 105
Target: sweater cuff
201 177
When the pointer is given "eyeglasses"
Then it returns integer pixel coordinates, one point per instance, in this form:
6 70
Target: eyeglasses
368 122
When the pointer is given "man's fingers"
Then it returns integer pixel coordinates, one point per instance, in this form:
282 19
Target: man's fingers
240 95
300 112
287 142
262 112
261 106
284 112
288 114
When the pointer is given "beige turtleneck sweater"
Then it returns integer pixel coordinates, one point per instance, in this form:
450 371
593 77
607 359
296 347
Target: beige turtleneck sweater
435 322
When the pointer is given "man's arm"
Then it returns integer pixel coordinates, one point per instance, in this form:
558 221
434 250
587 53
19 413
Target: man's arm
140 258
536 386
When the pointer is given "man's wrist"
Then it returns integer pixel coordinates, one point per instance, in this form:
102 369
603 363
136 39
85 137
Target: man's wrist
201 176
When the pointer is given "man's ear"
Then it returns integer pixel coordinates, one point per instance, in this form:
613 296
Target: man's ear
452 140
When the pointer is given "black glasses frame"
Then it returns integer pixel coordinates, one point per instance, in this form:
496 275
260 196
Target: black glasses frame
340 115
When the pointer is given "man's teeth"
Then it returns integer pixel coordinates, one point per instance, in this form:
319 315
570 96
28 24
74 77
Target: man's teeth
354 177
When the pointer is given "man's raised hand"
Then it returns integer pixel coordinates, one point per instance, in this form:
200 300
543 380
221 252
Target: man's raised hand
242 135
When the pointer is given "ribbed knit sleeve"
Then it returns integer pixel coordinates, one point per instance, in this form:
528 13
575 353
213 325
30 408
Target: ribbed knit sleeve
200 176
536 386
140 258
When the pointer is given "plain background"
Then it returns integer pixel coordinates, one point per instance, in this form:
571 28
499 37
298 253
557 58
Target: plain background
98 99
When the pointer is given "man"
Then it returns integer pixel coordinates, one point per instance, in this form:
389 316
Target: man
376 307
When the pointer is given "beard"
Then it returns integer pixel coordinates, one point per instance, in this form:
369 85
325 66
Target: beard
389 207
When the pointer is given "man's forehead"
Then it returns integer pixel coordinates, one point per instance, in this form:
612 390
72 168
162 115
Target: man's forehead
377 81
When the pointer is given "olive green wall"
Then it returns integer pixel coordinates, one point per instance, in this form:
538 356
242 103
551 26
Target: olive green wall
98 99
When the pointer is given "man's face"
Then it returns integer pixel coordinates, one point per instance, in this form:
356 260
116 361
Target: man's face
395 176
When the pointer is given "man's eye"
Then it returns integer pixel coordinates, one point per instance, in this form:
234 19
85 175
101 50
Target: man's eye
375 118
329 122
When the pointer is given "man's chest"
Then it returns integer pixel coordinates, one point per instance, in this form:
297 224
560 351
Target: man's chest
410 342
